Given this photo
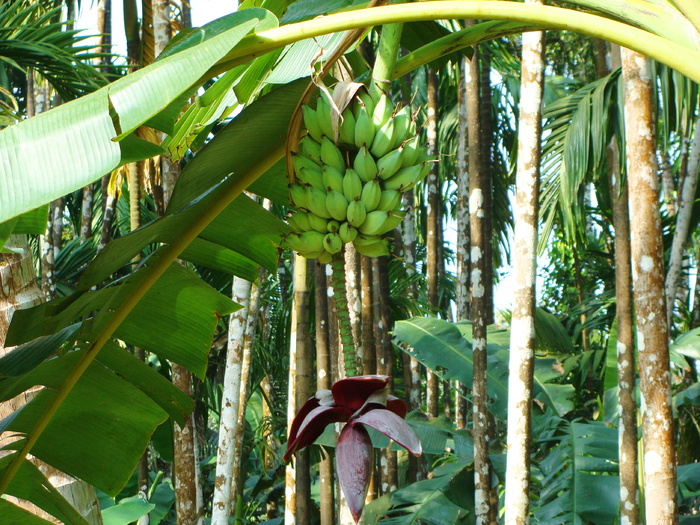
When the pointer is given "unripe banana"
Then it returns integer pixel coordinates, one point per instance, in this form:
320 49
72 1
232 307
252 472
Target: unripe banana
317 223
410 152
337 205
390 200
331 155
371 193
365 165
347 232
404 127
306 242
374 222
393 220
404 179
311 122
333 226
301 161
299 221
366 100
352 185
389 163
308 147
332 243
297 196
382 111
323 112
333 179
364 128
356 213
371 246
347 128
383 140
313 177
325 257
316 202
425 170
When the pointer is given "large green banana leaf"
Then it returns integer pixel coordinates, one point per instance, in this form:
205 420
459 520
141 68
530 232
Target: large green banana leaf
445 348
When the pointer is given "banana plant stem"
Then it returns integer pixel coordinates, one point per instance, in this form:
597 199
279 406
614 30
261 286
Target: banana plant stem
152 274
341 305
671 53
387 53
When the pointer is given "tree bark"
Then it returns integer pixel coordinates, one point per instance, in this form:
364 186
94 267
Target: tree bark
522 339
433 198
649 299
323 381
479 301
222 505
353 287
683 218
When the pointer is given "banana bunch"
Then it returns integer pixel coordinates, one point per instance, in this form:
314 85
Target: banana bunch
350 173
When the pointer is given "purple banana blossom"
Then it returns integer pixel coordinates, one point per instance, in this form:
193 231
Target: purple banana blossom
358 401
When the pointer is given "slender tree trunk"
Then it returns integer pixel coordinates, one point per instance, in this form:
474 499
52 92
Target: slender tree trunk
479 303
303 391
649 299
353 287
669 185
683 218
385 364
433 198
486 143
222 505
522 339
323 381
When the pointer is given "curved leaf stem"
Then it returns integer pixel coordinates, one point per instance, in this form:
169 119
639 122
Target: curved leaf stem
671 53
235 187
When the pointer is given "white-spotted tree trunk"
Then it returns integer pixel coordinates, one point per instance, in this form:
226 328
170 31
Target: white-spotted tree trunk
649 298
522 338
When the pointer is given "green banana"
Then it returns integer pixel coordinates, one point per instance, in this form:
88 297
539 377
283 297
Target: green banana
364 98
317 223
301 161
383 139
310 241
352 185
374 222
311 122
337 205
371 193
308 147
333 226
332 179
313 177
299 221
325 257
383 110
364 128
316 202
323 112
404 179
346 131
389 163
404 126
331 155
365 165
347 232
410 152
393 220
332 243
356 213
389 200
371 246
297 196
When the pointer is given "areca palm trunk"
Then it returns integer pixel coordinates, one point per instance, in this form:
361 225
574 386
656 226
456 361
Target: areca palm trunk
648 284
228 421
522 339
432 236
323 382
683 219
479 300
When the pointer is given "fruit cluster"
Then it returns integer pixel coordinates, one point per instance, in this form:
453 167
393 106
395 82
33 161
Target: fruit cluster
350 173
